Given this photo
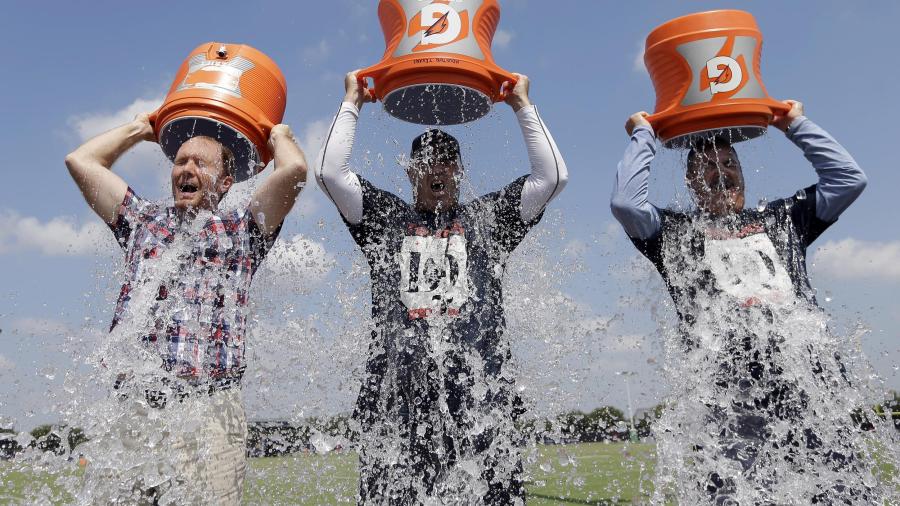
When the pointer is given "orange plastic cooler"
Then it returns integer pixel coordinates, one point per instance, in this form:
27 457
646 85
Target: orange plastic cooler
230 92
705 69
437 67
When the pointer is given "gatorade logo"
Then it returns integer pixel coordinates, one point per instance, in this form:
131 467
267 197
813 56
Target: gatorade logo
722 69
723 74
217 75
439 24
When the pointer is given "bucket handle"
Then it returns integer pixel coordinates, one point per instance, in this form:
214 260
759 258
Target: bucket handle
153 117
374 73
779 106
505 82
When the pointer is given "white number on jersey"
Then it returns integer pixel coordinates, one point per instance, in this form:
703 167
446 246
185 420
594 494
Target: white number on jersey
748 268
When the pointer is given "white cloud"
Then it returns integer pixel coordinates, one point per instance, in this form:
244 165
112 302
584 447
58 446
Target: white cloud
60 236
854 259
638 62
90 125
146 156
6 364
502 38
312 137
297 263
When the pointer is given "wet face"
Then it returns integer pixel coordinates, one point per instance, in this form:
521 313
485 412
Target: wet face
199 177
435 185
716 180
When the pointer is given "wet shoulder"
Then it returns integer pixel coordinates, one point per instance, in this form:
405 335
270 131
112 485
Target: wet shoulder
675 221
376 198
381 208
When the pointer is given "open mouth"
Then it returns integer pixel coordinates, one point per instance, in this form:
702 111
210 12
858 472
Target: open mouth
437 186
187 188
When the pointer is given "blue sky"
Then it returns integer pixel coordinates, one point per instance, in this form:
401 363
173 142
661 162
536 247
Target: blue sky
74 69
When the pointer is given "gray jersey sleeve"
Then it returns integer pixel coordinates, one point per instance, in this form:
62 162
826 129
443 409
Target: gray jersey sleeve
841 180
630 204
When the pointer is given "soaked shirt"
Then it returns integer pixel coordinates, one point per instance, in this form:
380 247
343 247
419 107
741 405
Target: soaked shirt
438 276
198 281
755 257
437 297
752 258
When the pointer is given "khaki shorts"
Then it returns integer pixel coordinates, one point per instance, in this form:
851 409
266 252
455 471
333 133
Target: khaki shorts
191 451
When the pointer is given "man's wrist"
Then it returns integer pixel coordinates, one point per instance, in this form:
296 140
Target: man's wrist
346 104
139 129
279 135
647 127
354 98
519 103
793 125
524 110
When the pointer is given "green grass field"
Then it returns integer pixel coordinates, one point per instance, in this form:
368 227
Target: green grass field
574 474
595 473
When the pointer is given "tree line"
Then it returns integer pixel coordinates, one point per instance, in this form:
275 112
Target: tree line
267 438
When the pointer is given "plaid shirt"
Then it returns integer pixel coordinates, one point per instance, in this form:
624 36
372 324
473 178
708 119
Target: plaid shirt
193 286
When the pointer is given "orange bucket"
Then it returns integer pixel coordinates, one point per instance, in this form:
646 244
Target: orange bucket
437 67
229 92
705 69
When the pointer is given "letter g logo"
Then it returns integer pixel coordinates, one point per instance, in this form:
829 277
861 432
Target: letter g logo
717 70
441 23
725 74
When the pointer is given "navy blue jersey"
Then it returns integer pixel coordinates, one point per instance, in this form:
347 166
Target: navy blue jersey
437 278
754 257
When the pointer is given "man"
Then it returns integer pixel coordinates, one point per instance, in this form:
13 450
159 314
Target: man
754 363
178 429
437 406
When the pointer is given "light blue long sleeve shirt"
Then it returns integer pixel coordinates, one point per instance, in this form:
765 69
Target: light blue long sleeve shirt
841 180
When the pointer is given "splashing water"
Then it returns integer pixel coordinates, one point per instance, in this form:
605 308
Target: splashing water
760 410
766 400
306 360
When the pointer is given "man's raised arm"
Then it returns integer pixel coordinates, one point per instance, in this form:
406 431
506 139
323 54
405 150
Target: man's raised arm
630 204
549 173
841 180
333 167
90 166
274 199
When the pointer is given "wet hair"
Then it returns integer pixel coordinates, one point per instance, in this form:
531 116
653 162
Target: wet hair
703 145
435 146
228 160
